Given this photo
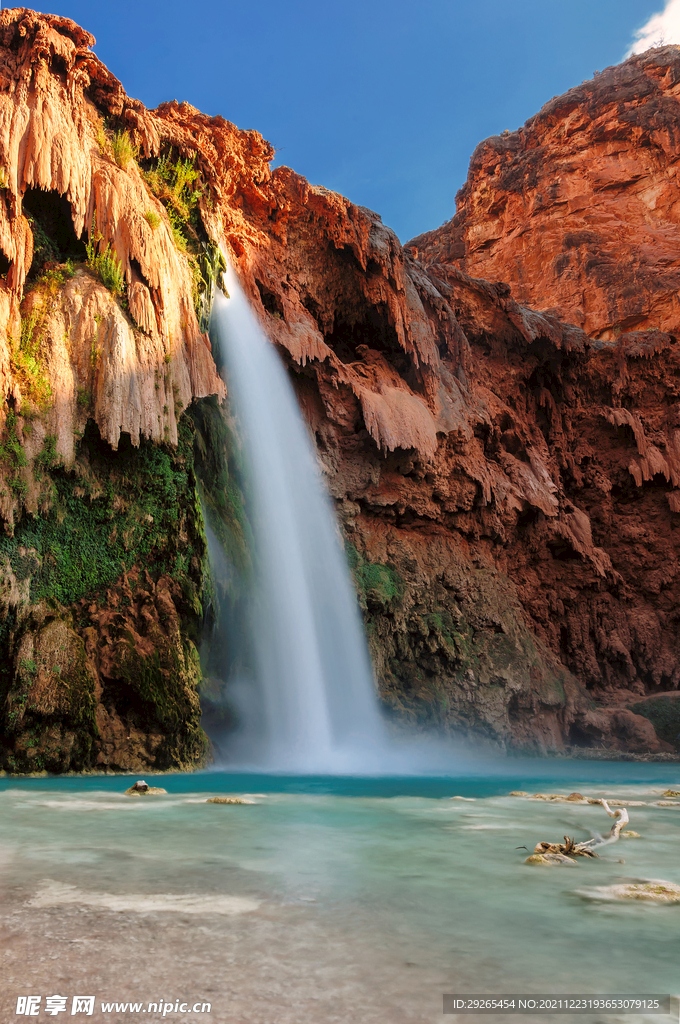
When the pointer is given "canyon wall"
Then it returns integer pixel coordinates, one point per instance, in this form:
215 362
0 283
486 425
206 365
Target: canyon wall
578 210
505 480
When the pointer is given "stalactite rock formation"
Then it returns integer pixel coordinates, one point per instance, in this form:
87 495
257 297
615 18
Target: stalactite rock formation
54 94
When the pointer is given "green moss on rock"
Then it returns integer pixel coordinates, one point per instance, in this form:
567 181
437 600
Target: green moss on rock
112 510
450 645
220 475
103 603
378 586
161 694
664 714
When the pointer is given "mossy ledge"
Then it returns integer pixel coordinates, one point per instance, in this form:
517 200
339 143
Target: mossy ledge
663 712
101 601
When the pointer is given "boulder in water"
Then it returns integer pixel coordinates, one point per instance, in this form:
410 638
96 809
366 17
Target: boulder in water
142 788
560 798
573 798
549 858
613 802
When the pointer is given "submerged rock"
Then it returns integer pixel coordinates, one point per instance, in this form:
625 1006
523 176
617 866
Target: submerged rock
630 835
652 890
573 798
229 800
620 803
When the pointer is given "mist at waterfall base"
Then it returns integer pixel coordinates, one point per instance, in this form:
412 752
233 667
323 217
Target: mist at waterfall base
309 705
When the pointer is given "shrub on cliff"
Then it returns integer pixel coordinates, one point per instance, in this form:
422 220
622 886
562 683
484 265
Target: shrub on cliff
123 148
177 186
152 219
106 265
13 455
25 355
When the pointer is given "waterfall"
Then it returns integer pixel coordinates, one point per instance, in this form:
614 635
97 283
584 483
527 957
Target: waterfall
311 705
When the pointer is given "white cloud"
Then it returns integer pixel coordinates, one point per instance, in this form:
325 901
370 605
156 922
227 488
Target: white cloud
661 29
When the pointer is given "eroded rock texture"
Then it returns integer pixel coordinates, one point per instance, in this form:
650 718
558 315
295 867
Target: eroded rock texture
57 163
100 604
506 485
578 210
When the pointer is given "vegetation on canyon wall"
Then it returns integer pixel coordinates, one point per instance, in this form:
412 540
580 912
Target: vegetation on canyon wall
663 712
102 592
112 510
103 262
176 183
221 481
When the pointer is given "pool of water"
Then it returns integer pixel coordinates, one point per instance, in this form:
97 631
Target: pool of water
348 899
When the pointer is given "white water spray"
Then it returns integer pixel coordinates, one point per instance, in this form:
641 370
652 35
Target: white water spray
317 704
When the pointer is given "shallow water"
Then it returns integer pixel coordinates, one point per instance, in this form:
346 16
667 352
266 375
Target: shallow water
339 899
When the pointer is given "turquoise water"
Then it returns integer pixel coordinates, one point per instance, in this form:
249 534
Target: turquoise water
421 892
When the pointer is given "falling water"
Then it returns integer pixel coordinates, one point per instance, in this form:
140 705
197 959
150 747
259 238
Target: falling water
313 705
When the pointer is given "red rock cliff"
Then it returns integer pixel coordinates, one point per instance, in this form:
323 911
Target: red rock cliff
579 210
506 485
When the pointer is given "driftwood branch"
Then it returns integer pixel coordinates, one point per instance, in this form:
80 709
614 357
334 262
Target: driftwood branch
570 848
620 814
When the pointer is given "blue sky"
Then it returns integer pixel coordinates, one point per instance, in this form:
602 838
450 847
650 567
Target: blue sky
382 100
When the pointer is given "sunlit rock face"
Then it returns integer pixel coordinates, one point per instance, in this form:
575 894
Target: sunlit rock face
578 213
55 93
579 209
504 485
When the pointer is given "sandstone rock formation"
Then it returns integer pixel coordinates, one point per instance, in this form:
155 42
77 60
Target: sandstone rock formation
578 209
506 483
